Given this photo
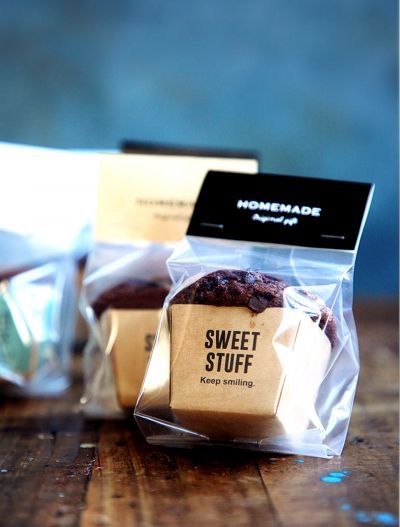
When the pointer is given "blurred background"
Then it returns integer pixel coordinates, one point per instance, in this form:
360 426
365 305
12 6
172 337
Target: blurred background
311 85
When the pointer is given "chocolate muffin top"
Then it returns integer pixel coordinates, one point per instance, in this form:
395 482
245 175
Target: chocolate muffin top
131 294
255 290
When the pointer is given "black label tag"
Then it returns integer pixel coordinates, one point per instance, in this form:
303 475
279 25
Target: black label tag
286 210
140 147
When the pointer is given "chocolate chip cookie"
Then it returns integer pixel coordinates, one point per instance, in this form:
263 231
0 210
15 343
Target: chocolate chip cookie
255 290
131 294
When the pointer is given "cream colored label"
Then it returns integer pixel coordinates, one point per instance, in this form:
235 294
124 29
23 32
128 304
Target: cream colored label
130 334
151 197
230 368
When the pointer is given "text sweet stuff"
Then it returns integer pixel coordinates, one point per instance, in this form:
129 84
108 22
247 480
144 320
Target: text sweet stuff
235 341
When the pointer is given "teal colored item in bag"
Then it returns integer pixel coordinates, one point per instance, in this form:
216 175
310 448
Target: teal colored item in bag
16 349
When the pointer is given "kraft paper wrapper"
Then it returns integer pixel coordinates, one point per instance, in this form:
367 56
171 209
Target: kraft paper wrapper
81 328
151 197
130 334
288 364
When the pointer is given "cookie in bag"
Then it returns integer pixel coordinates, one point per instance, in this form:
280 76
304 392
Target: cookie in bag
144 203
128 313
256 345
228 377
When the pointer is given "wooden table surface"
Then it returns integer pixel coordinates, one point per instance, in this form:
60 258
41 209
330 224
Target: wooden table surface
59 469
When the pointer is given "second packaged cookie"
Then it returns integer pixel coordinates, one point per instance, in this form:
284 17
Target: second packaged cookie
144 203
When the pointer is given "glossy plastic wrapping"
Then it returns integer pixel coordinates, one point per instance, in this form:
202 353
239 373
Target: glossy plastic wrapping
45 230
37 323
124 287
304 374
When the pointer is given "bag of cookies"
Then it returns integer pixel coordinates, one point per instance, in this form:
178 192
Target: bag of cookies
256 345
44 231
144 204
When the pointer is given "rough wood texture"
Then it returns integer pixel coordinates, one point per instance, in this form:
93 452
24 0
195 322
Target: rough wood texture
58 469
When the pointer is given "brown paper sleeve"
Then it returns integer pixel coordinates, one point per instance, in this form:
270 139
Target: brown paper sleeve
129 334
286 356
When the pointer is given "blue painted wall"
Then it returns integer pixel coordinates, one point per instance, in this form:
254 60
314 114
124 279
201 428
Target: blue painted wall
311 84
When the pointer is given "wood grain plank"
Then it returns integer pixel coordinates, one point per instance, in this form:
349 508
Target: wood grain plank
370 455
60 469
144 485
302 499
44 472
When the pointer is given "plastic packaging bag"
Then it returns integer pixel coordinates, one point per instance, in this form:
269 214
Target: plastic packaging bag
257 346
123 293
37 322
143 208
49 198
45 226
